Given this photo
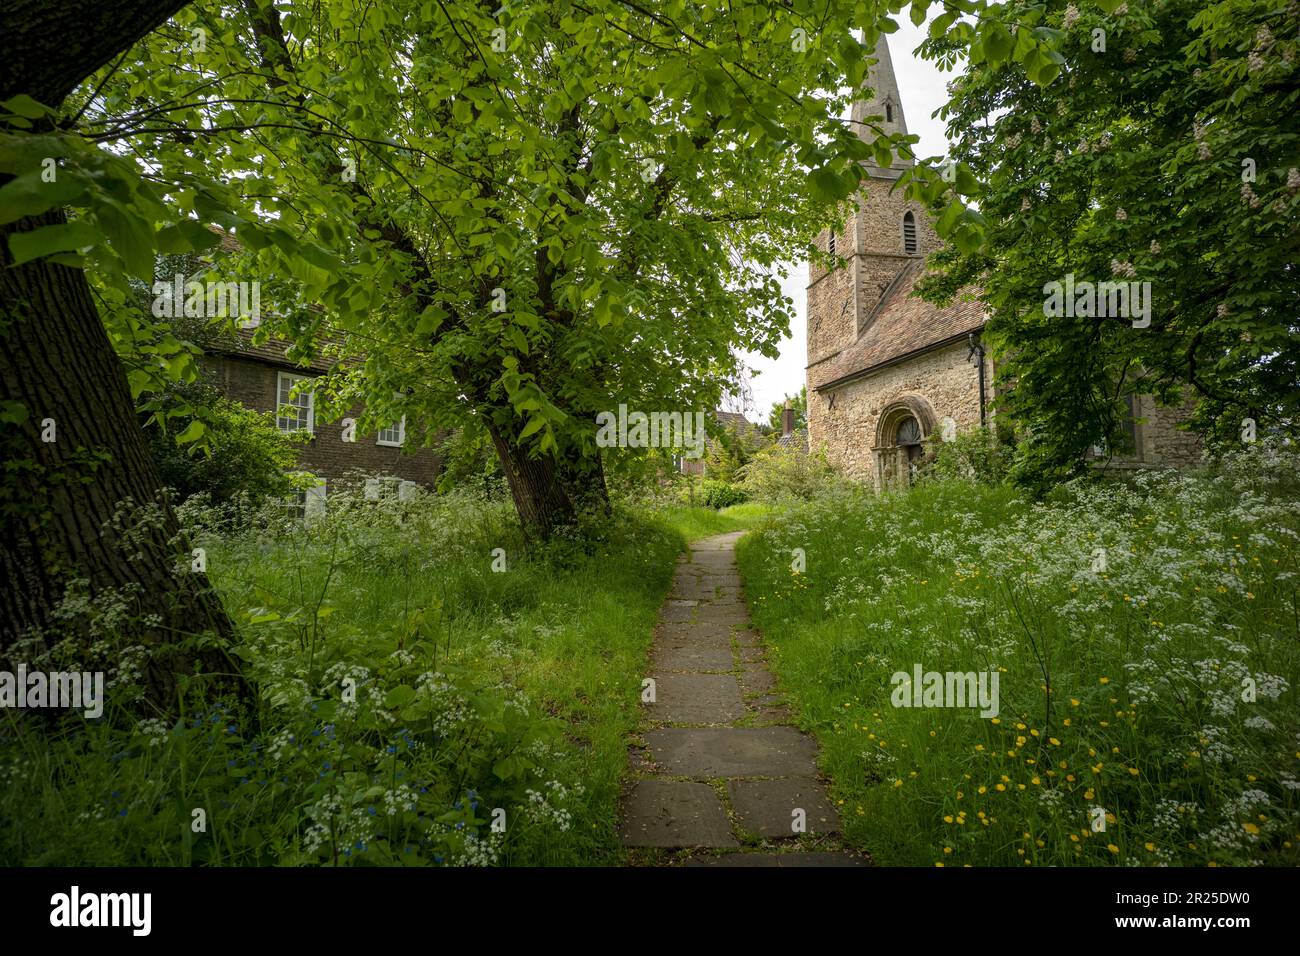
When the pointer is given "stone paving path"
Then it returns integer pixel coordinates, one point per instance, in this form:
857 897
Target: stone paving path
721 767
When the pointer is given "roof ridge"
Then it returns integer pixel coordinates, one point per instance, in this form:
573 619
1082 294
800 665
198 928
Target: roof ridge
887 297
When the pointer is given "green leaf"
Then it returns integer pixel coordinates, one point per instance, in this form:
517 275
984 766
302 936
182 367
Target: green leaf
966 182
60 237
29 195
998 44
193 433
535 424
129 236
399 696
13 413
188 235
24 105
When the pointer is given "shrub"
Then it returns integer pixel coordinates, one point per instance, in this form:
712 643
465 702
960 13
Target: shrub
247 454
720 494
779 474
979 455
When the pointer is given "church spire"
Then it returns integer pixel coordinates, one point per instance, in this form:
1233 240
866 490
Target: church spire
885 103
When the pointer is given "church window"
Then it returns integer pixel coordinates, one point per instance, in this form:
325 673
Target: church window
909 234
830 244
889 112
909 432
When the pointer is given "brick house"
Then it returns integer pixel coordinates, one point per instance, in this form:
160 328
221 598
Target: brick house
261 377
885 367
735 422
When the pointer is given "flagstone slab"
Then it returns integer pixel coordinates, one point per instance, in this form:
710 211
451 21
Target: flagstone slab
678 613
756 679
767 807
719 613
711 657
668 813
696 699
709 752
686 634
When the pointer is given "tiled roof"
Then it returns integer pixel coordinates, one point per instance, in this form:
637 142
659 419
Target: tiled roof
737 419
797 439
272 351
902 324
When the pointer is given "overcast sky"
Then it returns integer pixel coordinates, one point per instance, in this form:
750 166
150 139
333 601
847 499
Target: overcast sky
923 89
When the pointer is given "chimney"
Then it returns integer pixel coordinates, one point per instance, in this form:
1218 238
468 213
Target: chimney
787 420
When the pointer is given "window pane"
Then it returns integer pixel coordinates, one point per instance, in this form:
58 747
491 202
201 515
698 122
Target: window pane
292 412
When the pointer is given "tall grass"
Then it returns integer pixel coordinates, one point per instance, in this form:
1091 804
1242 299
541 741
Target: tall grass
430 692
1146 637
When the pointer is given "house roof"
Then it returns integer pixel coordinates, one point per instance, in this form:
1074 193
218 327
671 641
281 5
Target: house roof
272 351
901 324
797 439
736 419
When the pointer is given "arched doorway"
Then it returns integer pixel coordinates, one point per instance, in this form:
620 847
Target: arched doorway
900 442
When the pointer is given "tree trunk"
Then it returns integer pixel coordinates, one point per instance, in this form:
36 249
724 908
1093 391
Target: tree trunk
539 496
584 482
87 504
81 495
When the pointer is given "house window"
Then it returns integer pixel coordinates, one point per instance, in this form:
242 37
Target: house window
307 503
294 412
909 234
394 435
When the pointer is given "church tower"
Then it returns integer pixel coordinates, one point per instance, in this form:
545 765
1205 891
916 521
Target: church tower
884 234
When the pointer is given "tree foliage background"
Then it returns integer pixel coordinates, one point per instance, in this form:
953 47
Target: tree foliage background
1166 151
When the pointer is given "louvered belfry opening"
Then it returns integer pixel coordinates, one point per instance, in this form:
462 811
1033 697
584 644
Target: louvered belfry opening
909 234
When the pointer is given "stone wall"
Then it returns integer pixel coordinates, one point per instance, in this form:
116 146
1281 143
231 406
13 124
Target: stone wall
943 379
832 322
1160 442
1164 442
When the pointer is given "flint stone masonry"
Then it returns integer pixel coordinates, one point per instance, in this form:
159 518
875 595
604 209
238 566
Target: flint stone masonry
943 379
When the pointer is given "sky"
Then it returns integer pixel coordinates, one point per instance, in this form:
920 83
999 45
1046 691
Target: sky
924 90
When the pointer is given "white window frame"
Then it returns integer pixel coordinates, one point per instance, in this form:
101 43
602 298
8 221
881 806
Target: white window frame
401 435
308 503
280 378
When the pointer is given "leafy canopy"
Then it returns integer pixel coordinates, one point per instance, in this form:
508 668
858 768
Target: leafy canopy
1169 156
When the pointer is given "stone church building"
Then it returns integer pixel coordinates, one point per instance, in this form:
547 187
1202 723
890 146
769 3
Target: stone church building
887 369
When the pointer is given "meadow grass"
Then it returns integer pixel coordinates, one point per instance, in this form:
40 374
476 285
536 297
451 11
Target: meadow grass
422 675
1146 637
